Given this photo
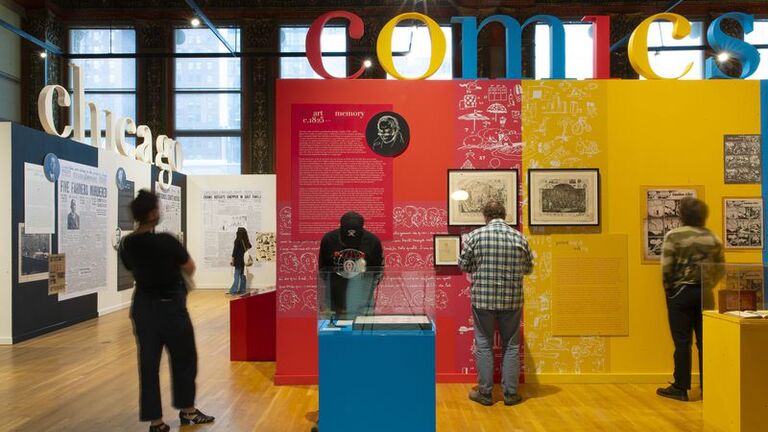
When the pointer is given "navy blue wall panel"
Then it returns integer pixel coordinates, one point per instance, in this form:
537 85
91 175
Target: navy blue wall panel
34 311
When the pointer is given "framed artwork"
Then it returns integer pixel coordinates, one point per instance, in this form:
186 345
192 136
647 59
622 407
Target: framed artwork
469 190
743 223
742 159
564 197
660 213
34 250
447 249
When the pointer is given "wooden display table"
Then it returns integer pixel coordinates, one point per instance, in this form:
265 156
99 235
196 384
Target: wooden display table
252 327
735 372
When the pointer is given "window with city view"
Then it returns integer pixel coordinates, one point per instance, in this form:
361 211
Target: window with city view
415 43
109 82
579 51
207 102
292 40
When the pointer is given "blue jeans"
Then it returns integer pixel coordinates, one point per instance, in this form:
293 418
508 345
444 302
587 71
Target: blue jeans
238 285
509 329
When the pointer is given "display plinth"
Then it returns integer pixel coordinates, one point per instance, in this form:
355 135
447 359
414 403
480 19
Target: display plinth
252 327
382 380
735 373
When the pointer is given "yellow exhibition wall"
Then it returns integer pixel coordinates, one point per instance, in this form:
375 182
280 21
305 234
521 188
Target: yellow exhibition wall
638 133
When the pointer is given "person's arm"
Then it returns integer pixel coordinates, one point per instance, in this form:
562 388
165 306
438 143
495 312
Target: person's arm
467 261
527 258
189 267
668 252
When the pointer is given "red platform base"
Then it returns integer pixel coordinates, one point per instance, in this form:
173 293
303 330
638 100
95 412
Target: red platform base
252 327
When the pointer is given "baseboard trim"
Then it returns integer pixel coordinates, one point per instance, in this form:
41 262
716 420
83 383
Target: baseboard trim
114 308
601 378
295 379
54 327
6 341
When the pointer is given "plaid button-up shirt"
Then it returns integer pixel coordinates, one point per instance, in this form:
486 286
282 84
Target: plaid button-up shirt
497 256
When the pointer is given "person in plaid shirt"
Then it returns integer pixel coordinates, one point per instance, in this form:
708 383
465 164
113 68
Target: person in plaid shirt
496 256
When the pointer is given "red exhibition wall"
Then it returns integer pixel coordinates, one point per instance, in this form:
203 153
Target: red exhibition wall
325 168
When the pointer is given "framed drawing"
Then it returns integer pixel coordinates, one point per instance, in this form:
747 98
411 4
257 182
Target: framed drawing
447 249
742 159
743 223
660 213
468 190
564 197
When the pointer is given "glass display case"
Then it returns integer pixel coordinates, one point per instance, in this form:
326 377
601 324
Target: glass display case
376 299
734 289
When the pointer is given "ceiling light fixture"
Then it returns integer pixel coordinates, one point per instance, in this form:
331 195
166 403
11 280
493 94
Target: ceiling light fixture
195 22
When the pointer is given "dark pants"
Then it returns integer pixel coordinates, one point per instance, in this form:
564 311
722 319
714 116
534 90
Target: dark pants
159 323
684 313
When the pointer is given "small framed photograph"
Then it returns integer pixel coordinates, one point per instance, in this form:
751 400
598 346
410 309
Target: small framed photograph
447 249
469 190
564 197
743 223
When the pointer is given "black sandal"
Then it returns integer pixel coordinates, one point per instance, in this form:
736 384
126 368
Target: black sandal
162 427
199 418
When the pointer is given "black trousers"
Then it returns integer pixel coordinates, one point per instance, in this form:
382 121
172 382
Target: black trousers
684 313
159 323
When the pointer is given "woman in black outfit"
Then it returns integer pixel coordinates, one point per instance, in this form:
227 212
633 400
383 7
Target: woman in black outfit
242 244
159 314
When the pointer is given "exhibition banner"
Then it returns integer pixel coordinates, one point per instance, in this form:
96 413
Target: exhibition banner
83 227
337 169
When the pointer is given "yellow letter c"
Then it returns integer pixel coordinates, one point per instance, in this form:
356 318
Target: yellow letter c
638 44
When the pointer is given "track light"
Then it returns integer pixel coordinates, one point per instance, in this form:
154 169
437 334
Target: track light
43 54
723 57
195 22
367 63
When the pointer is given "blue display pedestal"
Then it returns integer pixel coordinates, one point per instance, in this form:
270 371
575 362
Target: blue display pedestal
376 380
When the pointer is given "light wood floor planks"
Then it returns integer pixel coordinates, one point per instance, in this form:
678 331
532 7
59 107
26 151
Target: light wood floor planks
84 379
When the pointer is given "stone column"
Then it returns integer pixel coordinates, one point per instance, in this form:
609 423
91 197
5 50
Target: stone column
39 72
260 70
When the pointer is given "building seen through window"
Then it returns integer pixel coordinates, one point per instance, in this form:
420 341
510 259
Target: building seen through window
207 102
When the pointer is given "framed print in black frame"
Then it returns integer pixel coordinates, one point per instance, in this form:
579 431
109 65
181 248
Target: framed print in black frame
446 249
564 197
469 189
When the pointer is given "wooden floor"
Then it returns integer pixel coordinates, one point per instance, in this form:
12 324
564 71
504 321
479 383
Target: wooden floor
84 379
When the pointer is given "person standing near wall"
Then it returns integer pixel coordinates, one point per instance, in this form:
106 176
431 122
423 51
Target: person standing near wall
496 256
242 245
683 250
159 315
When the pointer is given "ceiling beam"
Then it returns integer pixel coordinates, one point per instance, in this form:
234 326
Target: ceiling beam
204 18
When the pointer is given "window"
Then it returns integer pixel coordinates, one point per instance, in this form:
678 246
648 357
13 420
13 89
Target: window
579 51
416 43
109 82
207 102
292 39
759 36
669 63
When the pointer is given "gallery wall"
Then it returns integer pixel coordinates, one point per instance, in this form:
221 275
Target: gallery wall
637 133
28 308
217 205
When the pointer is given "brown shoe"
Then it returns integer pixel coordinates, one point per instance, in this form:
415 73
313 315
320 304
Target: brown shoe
480 398
512 399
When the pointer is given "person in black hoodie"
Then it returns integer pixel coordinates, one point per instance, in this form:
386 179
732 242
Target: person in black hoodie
345 253
159 315
242 244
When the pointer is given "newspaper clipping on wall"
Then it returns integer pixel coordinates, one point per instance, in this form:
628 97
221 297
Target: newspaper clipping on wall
57 273
743 223
170 209
662 216
83 227
39 211
224 211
